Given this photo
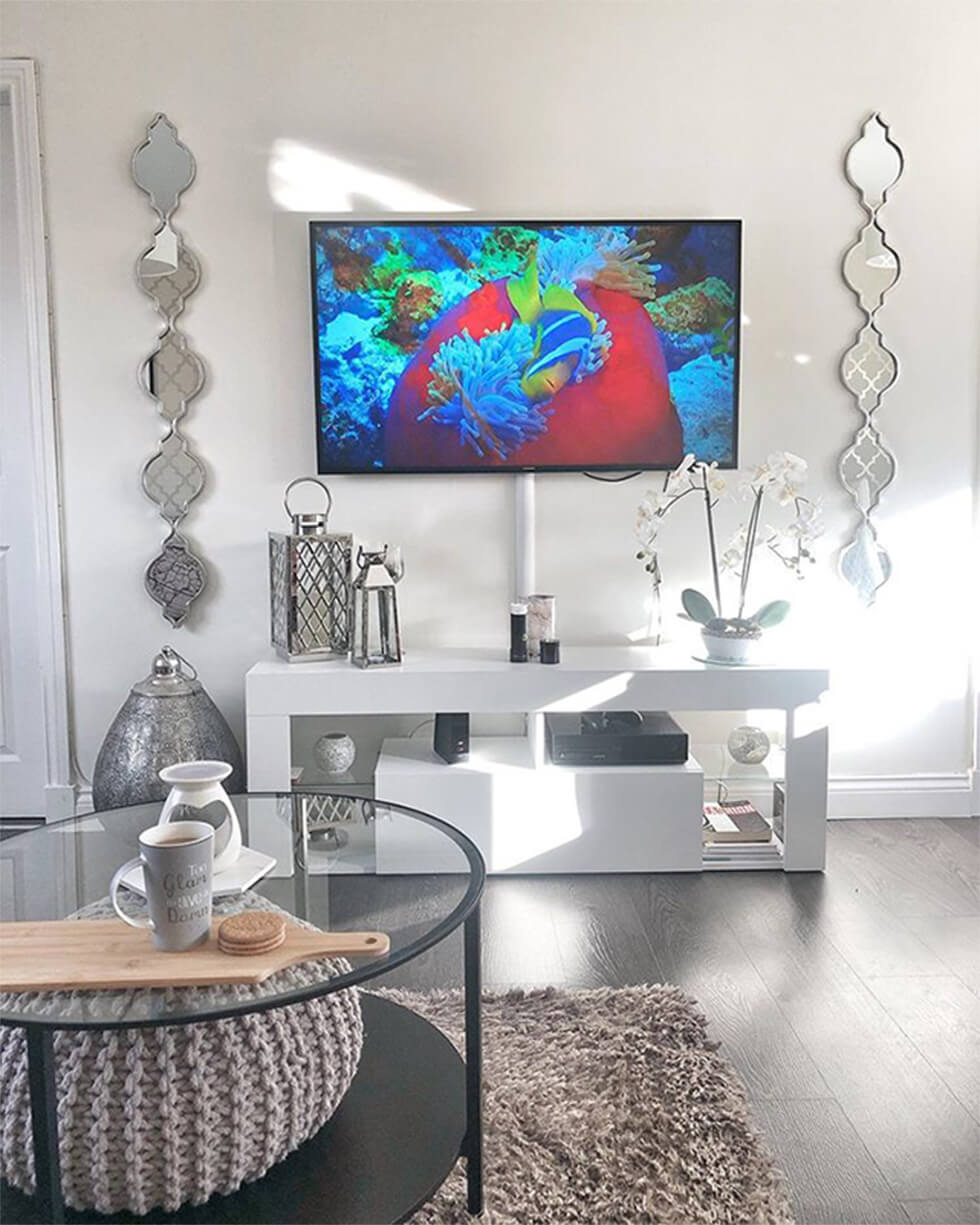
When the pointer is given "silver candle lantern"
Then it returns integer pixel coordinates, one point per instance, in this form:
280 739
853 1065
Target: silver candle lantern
376 638
310 584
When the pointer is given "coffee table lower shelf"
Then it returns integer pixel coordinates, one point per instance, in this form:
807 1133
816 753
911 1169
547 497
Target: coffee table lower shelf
389 1147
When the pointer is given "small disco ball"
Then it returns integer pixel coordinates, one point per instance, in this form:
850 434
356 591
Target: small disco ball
749 745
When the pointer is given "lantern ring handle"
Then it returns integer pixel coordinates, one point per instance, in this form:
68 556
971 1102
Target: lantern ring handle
168 650
307 480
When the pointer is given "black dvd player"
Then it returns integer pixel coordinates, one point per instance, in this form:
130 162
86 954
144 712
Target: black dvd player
615 738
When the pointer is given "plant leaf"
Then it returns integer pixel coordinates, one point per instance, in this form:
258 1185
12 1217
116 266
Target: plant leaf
771 614
697 606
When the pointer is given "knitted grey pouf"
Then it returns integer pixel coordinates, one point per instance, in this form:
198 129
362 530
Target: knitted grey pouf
169 1115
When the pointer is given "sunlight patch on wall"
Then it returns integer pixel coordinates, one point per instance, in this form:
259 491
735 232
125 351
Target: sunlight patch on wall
307 180
894 664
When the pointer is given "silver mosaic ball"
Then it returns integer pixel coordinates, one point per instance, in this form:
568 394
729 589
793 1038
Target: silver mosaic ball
334 753
749 746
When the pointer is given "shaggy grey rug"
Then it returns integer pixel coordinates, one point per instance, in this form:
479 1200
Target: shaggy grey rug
608 1107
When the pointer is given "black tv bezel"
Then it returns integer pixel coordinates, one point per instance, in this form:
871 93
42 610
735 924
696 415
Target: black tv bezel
495 469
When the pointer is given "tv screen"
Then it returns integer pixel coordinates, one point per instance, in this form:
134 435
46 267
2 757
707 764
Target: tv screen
449 347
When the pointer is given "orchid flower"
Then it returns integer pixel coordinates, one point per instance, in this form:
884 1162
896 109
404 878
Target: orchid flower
681 478
781 477
733 555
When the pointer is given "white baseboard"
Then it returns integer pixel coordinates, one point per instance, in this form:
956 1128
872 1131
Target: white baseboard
913 795
84 803
882 796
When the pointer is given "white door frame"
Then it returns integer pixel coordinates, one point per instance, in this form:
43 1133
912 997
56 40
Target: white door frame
18 78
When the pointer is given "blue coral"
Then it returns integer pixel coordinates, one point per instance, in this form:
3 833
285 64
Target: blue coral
595 356
476 389
563 261
682 347
578 255
703 393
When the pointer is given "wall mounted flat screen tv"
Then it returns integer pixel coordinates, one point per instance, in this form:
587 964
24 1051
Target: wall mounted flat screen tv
516 346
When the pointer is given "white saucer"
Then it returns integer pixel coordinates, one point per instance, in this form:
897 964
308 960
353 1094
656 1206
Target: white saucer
726 663
250 867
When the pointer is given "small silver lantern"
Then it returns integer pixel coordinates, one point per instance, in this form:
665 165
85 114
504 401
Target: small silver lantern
376 638
310 584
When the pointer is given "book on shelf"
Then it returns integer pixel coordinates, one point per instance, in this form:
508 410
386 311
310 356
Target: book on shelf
742 856
779 810
734 821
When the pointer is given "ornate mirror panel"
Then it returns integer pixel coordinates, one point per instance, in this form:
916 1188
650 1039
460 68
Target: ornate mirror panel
868 369
173 374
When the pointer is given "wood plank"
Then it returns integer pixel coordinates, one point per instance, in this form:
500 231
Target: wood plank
520 942
873 940
924 1142
955 941
900 871
92 954
601 938
699 952
966 827
942 1211
942 1017
832 1177
945 847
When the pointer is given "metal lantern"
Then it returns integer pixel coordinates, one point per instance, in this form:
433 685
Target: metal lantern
167 718
374 613
310 584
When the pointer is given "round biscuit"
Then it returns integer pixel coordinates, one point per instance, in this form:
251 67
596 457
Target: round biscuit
252 927
252 950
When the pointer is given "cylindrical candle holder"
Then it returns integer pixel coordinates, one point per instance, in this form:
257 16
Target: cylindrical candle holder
550 651
541 622
518 633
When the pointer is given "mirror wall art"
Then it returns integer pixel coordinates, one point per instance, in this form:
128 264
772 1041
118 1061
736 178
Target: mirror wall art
173 374
871 268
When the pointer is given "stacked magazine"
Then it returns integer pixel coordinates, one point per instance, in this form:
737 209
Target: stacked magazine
737 835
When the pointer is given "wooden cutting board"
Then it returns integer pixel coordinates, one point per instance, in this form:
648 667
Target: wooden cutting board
87 954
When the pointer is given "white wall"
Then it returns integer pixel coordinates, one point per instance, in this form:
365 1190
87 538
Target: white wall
664 108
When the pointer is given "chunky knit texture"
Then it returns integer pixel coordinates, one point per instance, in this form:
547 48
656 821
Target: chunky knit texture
171 1115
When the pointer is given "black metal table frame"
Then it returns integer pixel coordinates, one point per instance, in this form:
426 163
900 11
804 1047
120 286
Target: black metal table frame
42 1084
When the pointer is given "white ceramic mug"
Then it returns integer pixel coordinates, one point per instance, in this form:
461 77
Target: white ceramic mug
177 861
196 784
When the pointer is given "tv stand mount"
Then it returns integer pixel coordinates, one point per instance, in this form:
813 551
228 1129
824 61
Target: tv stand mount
525 559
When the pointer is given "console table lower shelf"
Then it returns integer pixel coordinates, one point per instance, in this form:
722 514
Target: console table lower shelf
534 818
386 1151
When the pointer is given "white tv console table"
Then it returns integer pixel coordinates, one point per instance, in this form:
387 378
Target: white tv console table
528 815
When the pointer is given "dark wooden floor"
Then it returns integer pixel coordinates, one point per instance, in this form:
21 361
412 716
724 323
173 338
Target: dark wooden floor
847 1001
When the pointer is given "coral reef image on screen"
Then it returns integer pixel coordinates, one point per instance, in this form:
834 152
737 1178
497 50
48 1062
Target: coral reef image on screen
516 345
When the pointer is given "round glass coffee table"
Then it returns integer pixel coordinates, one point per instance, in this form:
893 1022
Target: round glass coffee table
342 863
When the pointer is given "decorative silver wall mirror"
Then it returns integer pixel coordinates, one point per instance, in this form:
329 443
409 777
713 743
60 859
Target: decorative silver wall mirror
173 374
873 165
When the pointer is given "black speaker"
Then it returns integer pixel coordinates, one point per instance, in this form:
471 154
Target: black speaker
451 738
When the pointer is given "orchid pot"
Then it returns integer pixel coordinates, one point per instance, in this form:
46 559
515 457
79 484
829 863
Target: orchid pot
731 641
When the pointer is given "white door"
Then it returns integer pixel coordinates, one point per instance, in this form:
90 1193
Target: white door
34 768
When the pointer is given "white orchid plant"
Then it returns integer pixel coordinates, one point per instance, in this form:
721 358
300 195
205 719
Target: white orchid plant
782 478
